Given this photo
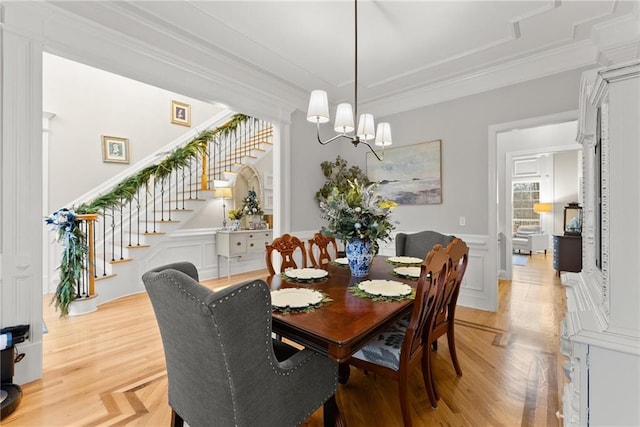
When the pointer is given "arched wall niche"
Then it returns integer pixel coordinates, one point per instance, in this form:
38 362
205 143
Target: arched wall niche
247 179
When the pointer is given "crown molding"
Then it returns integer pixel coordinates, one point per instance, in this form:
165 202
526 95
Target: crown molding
554 61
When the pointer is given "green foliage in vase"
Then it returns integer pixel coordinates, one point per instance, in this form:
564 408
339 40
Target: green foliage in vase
358 212
235 214
338 175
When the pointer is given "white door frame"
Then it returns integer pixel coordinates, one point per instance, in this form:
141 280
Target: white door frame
492 150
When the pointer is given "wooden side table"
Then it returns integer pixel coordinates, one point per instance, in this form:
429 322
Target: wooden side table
232 244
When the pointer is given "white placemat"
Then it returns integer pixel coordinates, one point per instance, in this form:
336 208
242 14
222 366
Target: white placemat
413 272
295 297
387 288
306 273
404 260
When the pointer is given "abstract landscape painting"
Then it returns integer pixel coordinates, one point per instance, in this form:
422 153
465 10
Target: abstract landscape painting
409 175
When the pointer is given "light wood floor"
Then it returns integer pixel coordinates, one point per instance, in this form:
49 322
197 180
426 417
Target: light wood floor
107 367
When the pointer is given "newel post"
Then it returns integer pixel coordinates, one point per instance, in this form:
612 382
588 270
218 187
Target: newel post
203 178
90 219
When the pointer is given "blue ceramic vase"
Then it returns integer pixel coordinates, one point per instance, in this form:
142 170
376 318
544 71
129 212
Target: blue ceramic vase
360 254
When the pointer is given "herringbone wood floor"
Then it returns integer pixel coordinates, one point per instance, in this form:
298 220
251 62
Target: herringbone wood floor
107 367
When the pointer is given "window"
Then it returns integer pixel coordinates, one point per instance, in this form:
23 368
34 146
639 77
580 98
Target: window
525 195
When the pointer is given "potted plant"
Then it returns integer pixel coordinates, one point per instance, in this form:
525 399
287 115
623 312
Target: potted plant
235 215
251 209
359 217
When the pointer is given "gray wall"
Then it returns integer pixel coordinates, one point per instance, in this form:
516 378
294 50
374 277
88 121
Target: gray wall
462 125
89 103
566 185
306 175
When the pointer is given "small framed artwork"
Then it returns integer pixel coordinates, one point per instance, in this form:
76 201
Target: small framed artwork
115 150
180 113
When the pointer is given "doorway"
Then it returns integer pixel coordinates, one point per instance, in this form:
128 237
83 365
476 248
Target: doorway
546 160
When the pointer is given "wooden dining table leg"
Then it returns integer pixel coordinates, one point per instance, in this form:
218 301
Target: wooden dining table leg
332 416
344 371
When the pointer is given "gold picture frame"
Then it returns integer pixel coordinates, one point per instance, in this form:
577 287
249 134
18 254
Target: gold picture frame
115 149
180 113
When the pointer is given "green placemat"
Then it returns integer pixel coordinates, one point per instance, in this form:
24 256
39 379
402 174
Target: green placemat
296 280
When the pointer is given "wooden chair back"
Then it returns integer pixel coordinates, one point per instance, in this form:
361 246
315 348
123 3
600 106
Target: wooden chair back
415 344
322 244
459 253
286 245
444 320
433 274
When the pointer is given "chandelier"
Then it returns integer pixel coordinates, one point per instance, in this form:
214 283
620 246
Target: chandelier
318 112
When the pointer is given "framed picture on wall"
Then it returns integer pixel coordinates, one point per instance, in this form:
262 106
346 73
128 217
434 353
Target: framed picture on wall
409 175
180 113
115 149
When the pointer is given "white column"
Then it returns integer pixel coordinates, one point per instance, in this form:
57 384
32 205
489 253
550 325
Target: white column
21 193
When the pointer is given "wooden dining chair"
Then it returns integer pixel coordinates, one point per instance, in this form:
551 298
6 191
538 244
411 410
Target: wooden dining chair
443 322
398 349
287 245
322 244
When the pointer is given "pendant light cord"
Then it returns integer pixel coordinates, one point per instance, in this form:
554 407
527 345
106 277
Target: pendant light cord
355 90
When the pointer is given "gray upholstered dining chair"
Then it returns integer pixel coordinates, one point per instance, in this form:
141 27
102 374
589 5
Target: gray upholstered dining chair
419 244
223 367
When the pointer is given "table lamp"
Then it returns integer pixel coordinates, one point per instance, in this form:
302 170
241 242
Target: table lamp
223 193
542 207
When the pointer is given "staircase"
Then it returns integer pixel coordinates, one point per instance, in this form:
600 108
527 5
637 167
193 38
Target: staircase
141 209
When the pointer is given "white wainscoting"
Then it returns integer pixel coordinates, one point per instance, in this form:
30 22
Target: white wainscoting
479 288
198 246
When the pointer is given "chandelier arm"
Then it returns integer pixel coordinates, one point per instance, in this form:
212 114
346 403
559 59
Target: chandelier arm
373 151
340 135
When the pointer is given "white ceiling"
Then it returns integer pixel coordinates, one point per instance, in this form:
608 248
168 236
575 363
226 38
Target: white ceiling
411 53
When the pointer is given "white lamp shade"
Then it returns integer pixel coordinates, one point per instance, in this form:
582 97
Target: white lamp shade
366 127
318 110
344 118
383 135
222 193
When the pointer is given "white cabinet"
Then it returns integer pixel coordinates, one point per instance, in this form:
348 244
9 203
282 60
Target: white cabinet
232 244
601 329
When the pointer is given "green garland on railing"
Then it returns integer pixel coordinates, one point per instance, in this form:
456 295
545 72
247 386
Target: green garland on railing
72 237
127 189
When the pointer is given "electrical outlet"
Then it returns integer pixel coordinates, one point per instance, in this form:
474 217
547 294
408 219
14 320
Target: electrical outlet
462 221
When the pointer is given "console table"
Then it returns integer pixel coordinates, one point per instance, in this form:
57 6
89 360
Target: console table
567 253
233 244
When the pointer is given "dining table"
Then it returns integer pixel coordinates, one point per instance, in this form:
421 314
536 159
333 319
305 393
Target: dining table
346 322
